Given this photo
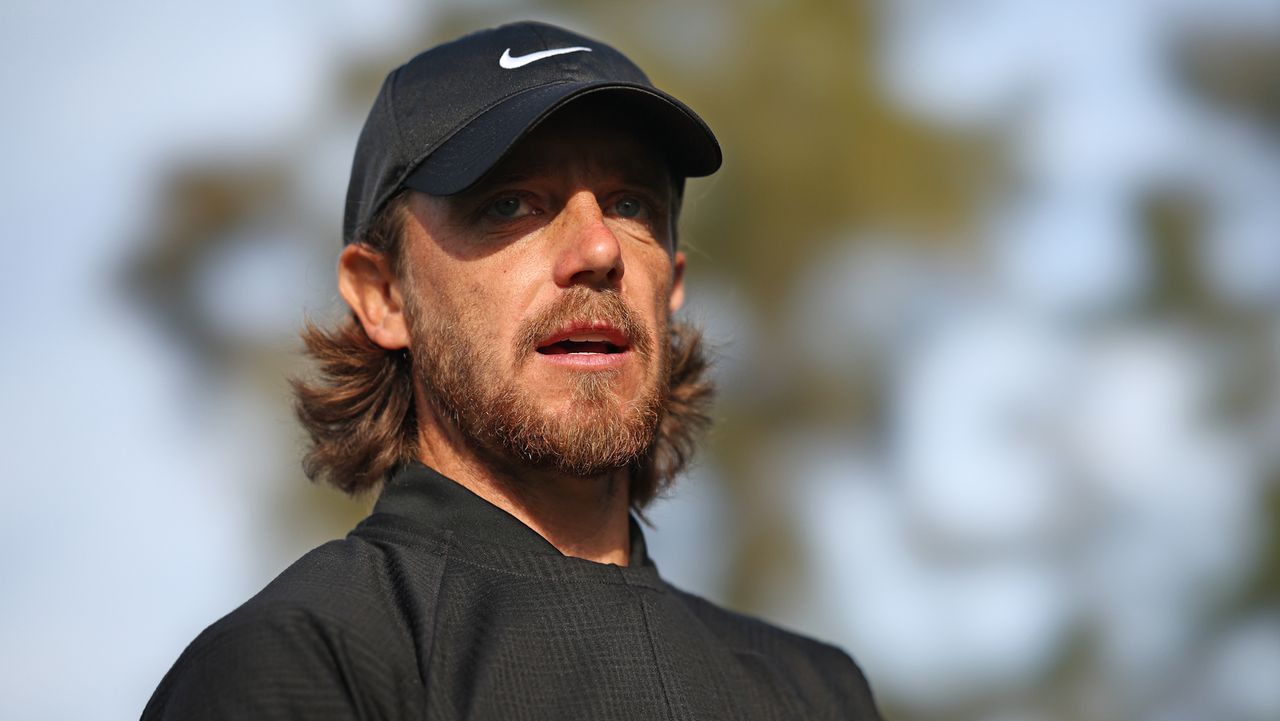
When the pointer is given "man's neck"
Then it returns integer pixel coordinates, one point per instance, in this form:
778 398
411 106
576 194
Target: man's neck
582 517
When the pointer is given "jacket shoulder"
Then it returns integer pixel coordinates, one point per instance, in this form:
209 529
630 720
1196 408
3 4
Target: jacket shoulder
814 668
354 583
327 639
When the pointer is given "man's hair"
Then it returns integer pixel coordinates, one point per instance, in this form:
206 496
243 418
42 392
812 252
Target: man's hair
359 408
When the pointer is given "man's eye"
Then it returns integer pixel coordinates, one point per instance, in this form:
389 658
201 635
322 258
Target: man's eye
630 208
512 206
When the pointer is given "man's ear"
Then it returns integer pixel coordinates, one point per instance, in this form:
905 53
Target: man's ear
677 281
370 286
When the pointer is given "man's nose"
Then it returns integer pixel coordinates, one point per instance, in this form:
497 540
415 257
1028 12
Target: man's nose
589 252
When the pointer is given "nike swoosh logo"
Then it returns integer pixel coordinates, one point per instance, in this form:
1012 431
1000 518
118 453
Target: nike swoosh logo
510 62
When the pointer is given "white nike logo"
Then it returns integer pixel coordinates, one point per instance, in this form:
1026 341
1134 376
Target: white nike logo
510 62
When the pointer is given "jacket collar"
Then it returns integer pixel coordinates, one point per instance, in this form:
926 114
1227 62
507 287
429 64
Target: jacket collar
424 496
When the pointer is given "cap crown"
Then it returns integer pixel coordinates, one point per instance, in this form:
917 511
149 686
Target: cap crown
495 84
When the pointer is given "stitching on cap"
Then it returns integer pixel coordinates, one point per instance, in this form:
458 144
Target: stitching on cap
537 30
395 121
388 101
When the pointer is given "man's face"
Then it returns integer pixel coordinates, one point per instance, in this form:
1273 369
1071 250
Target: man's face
539 299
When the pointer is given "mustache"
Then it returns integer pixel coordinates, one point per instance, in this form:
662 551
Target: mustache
583 304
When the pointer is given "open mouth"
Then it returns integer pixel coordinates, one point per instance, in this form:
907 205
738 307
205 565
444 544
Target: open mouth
579 342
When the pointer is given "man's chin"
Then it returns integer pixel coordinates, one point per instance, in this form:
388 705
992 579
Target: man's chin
576 423
593 434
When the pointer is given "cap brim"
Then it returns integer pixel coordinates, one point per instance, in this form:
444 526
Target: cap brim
469 153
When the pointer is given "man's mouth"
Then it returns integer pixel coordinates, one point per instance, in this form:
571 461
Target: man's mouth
583 339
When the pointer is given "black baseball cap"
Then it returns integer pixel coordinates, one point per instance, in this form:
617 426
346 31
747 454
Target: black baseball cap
444 118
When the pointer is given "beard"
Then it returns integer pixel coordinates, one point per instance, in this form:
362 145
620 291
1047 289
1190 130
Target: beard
503 423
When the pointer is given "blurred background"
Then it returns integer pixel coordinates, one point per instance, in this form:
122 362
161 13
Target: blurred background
994 287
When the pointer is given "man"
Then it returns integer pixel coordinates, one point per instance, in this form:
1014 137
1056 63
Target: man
512 379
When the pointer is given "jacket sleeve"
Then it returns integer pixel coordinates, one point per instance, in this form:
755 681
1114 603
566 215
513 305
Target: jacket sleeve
278 666
844 675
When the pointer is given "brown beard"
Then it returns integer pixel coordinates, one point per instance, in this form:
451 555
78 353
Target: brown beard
502 424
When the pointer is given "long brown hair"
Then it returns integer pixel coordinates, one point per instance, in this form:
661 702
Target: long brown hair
359 408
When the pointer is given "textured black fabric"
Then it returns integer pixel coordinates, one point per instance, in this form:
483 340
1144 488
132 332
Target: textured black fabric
442 606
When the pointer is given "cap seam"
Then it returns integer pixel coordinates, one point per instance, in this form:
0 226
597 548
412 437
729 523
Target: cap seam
395 121
537 31
388 100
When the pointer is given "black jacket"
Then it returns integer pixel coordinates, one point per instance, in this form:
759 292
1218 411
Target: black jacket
442 606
